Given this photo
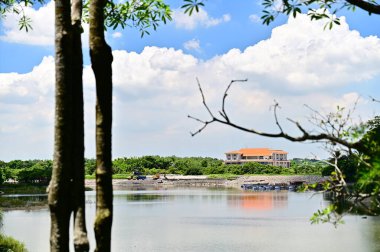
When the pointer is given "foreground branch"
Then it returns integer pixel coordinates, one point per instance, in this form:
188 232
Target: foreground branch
305 136
369 6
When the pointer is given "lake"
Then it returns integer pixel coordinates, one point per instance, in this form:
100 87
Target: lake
208 220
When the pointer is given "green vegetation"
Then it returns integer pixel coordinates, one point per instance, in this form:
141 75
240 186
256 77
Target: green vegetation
33 175
227 176
8 243
29 171
151 165
30 201
22 188
310 166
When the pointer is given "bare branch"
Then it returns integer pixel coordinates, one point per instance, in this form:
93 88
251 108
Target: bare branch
205 123
298 126
374 99
223 112
275 106
371 7
203 99
327 135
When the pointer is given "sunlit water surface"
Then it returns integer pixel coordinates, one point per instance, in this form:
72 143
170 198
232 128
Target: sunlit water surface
210 220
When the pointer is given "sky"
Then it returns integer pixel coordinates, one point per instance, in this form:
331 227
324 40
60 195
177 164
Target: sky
292 61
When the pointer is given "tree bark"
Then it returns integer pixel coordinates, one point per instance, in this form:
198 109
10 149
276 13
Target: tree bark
59 189
371 7
66 189
101 59
80 232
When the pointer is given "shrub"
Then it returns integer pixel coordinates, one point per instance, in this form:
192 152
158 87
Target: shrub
8 243
193 171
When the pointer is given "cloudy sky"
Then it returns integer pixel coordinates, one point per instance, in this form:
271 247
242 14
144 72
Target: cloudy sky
292 61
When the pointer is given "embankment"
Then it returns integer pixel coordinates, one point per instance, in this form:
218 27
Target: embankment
203 181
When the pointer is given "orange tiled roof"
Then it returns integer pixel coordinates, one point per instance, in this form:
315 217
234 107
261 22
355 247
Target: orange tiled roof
257 152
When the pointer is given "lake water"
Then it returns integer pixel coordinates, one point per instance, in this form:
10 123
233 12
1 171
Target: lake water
205 220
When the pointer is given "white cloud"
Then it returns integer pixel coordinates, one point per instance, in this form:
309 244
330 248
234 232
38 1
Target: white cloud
193 44
302 56
200 18
27 112
117 35
42 32
155 90
254 18
42 22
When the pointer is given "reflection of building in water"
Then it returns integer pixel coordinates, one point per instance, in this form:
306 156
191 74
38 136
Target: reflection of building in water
259 200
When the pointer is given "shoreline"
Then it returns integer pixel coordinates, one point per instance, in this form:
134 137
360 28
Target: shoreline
204 181
180 181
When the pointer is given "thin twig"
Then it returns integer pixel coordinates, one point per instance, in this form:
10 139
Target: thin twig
275 106
306 136
223 112
203 99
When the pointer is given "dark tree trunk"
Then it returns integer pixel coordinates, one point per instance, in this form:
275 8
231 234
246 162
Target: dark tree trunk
101 59
80 232
59 198
66 189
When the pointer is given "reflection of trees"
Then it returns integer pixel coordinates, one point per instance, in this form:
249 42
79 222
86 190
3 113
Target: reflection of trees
259 201
374 229
145 197
23 201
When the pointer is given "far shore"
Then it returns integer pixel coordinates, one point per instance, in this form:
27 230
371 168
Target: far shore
169 181
204 181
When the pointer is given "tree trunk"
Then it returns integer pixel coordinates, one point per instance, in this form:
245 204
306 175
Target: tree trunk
59 189
80 232
66 189
101 59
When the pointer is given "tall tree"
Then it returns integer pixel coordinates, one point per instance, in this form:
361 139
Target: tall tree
143 14
66 189
101 60
61 182
80 232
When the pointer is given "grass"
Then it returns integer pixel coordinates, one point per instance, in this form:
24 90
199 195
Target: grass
22 202
92 176
23 188
227 176
122 176
8 243
114 176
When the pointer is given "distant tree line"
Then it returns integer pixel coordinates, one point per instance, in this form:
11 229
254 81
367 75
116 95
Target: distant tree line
151 165
29 171
39 171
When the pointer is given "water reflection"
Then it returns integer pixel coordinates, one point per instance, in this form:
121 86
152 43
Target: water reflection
23 201
141 197
374 226
193 220
259 201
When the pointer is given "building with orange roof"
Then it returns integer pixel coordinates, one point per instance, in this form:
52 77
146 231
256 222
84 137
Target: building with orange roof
260 155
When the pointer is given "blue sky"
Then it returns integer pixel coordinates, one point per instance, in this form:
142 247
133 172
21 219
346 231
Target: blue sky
293 61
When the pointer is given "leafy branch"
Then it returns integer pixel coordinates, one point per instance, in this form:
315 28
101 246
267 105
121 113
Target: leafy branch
191 5
316 9
141 14
18 7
